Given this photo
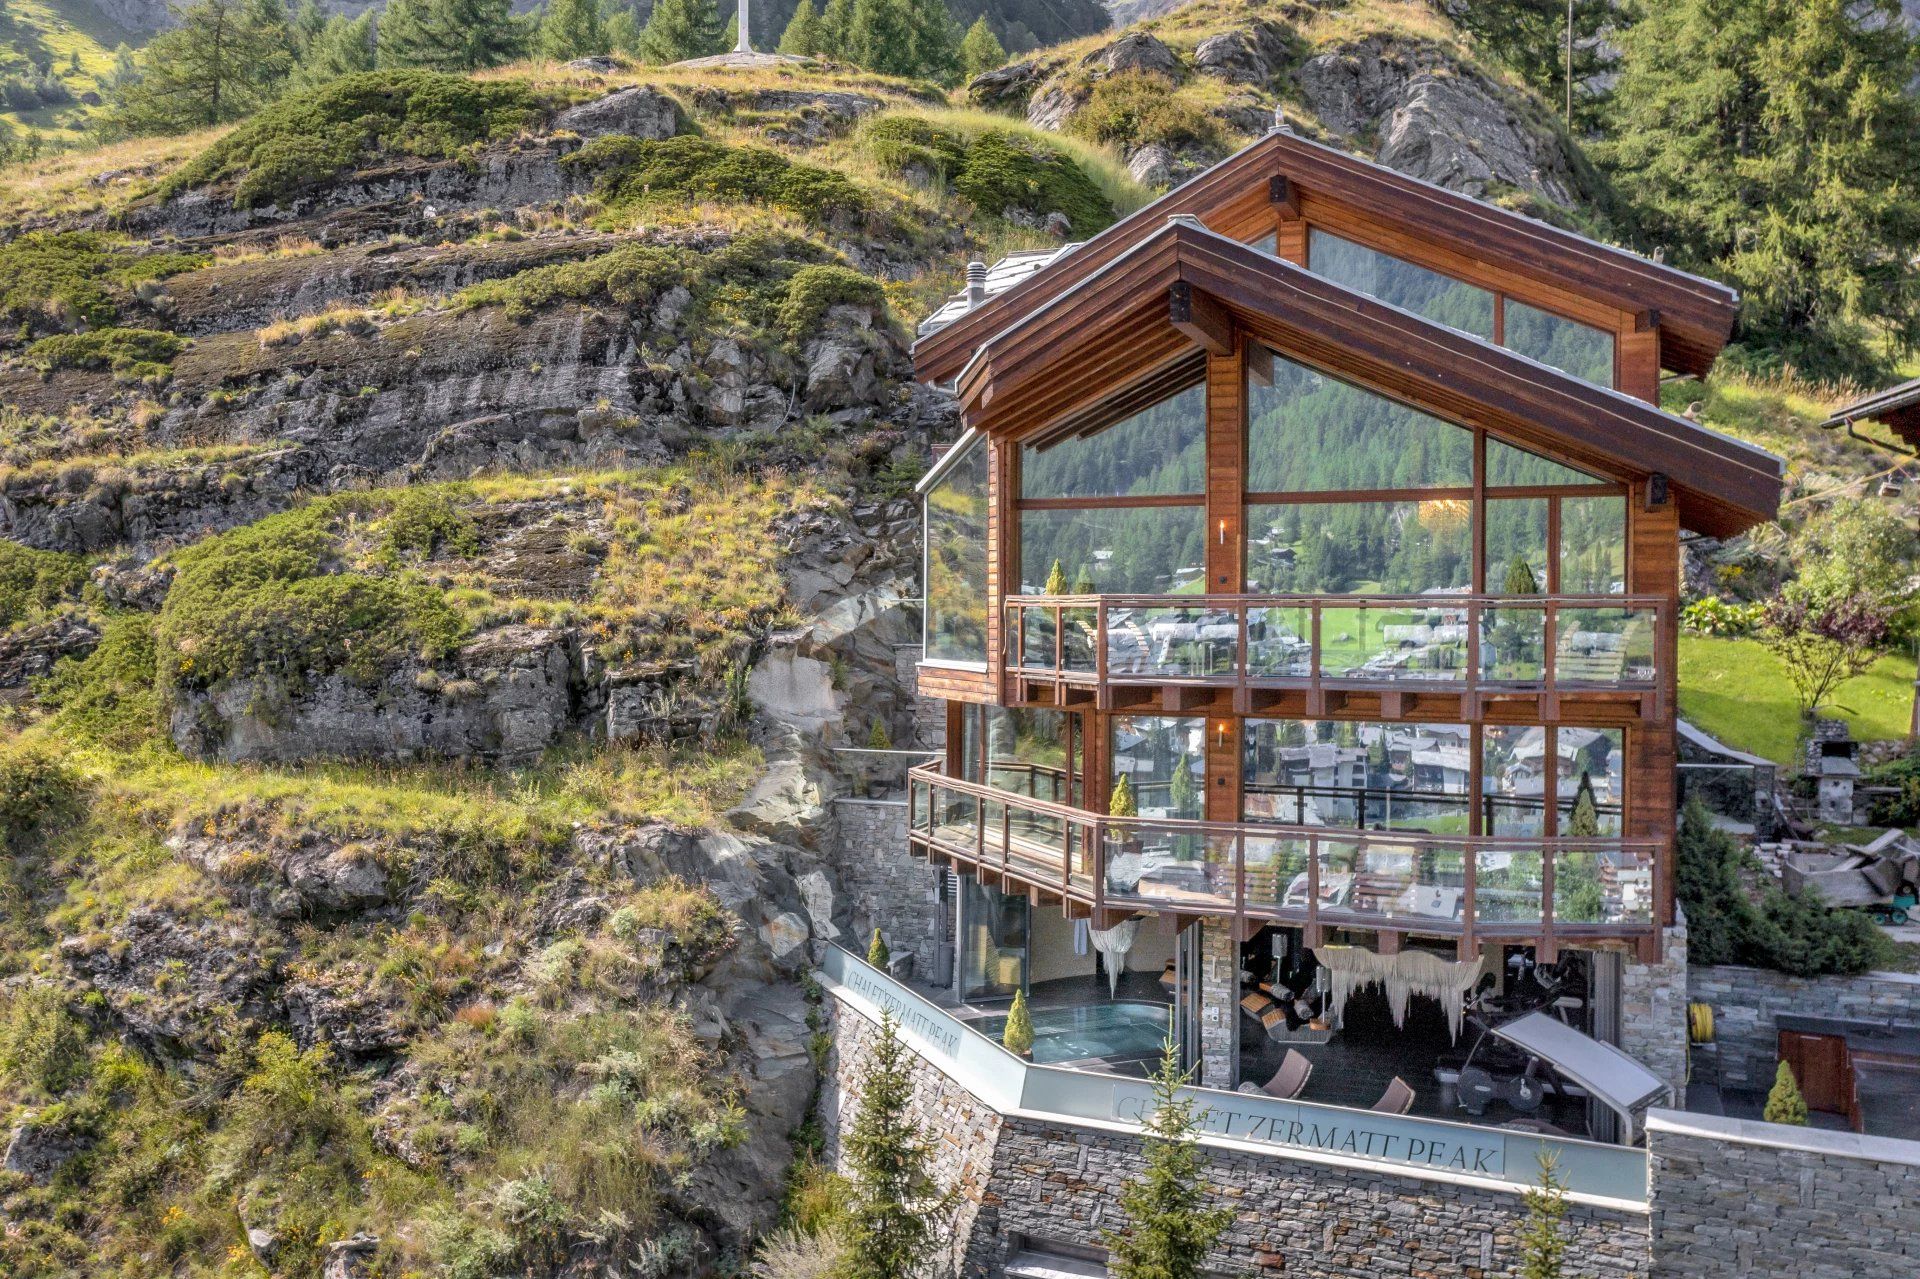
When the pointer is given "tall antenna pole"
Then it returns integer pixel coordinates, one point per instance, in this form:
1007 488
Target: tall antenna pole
1569 59
743 45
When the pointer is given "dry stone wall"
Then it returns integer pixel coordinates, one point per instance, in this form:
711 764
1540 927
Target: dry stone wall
1746 1001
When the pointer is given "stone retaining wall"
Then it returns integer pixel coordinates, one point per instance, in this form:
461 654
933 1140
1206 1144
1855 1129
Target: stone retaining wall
887 886
1653 1012
1021 1176
1736 1199
1745 1002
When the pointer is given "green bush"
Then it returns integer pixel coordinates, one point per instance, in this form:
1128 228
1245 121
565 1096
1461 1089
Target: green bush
633 174
42 1045
61 279
815 289
32 583
995 170
264 601
107 697
305 138
1134 109
426 522
1785 1105
132 352
1787 933
1711 615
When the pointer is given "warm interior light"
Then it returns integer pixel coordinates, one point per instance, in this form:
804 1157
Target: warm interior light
1445 512
1223 532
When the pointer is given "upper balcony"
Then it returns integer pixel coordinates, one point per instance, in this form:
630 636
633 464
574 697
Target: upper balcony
1548 890
1118 652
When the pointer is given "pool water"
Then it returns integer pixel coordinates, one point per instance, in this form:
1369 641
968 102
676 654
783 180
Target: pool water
1120 1030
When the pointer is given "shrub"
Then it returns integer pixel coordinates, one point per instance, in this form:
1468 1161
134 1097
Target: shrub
108 696
61 279
815 289
996 170
1018 1035
135 353
426 522
260 601
42 1045
1786 933
1711 615
634 174
1785 1105
877 953
305 138
1134 109
34 582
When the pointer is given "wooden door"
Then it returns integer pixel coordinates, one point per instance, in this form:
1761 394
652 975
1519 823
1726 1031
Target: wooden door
1819 1063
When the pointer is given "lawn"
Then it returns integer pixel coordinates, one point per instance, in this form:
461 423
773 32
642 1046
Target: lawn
1736 690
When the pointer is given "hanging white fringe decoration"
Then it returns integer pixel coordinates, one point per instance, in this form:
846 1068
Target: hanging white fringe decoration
1408 973
1114 943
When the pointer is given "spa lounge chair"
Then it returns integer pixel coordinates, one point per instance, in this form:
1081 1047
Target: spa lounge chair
1396 1100
1290 1080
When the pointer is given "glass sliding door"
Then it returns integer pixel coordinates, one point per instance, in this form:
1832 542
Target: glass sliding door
993 941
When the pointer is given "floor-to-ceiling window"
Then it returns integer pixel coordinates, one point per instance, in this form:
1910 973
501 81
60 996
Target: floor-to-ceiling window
956 560
993 942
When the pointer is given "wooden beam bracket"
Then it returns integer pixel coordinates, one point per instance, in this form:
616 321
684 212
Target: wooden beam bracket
1201 318
1284 197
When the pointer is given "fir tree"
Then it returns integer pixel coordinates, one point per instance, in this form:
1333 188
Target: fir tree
981 50
890 1225
1771 143
309 20
451 35
624 32
1017 1036
836 30
1530 36
1169 1230
1122 803
572 29
934 41
802 36
222 60
343 47
1180 792
1056 580
1543 1247
730 38
877 953
1785 1105
1583 819
681 29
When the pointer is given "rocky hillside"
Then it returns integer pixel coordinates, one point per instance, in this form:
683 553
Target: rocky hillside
447 523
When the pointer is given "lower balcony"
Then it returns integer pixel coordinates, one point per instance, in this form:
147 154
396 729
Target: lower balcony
1550 891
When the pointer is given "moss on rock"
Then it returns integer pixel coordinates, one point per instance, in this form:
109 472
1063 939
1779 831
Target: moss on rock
1000 171
132 353
632 174
62 279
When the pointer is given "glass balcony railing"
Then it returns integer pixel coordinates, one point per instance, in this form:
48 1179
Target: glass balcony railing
1404 880
1460 643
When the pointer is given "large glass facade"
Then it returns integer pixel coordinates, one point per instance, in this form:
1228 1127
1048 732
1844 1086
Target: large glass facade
1352 548
1371 776
1163 758
993 942
956 550
1580 349
1158 451
1114 550
1429 294
1310 433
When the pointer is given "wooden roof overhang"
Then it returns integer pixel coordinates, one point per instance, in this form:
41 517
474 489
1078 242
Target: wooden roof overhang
1185 287
1236 197
1897 408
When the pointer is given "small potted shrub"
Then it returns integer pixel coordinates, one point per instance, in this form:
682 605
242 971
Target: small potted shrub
1018 1036
877 953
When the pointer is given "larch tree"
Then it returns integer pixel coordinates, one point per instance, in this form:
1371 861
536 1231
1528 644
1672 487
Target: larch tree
880 36
344 46
802 36
451 35
222 60
1771 143
981 50
836 30
572 29
681 29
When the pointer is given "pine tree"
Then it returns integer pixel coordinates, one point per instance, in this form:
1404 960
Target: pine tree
1169 1230
836 30
681 29
224 59
1180 791
730 38
1771 143
343 47
877 953
890 1225
309 20
1785 1105
981 50
802 36
1543 1247
1583 819
624 32
1530 36
572 29
451 35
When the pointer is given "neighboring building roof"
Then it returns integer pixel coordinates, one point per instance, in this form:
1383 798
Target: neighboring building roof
1897 408
1113 329
1695 315
1001 276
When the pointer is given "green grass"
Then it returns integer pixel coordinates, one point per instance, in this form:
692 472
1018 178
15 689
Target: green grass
1736 690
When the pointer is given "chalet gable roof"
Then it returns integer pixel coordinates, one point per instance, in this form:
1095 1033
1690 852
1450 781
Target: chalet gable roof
1144 312
1695 315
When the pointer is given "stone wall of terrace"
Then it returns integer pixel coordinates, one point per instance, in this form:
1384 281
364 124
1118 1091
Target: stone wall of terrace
1734 1199
1746 1001
889 888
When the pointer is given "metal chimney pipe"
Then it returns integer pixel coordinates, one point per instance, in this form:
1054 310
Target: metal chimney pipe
976 283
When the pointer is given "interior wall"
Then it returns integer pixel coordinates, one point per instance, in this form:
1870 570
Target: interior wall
1051 954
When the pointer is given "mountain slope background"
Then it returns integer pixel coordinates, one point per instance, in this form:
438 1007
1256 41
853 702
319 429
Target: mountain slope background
449 523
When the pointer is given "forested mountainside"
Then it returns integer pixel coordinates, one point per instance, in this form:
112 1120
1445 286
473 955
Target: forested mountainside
449 519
